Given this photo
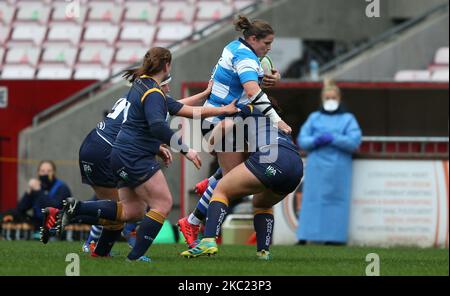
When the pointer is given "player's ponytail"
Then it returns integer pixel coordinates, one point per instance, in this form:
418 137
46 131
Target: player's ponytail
154 61
258 28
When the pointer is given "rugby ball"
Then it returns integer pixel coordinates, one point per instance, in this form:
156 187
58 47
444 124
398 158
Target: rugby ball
266 64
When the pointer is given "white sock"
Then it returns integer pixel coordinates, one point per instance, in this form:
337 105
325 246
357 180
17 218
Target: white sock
212 179
193 220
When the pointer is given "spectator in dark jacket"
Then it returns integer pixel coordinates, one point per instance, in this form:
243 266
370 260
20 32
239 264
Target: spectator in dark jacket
44 191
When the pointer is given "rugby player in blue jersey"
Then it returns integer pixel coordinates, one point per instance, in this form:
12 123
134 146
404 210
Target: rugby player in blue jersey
238 73
273 170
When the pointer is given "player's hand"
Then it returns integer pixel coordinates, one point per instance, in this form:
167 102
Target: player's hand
34 185
284 127
270 80
165 154
231 108
193 156
209 88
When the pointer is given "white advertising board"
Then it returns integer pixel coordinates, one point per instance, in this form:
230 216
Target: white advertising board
393 203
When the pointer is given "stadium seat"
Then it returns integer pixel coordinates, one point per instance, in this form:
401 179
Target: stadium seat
141 12
18 72
63 13
440 76
240 4
65 33
91 72
101 33
213 10
23 55
105 12
4 34
119 67
129 55
60 54
6 13
96 55
33 12
412 75
54 72
180 11
143 34
29 33
442 56
173 32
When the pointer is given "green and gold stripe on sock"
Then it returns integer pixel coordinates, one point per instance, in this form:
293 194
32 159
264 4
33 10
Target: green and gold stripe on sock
154 215
263 211
223 200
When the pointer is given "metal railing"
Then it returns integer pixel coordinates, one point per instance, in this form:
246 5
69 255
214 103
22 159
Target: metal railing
404 147
381 38
89 91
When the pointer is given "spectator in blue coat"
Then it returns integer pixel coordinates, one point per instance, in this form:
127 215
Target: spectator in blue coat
44 191
329 136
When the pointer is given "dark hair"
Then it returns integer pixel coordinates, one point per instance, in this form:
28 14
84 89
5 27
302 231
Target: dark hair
154 61
258 28
50 162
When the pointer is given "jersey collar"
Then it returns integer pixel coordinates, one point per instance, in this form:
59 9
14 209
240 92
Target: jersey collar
248 45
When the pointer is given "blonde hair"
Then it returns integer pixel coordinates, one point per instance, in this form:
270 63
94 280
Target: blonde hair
330 85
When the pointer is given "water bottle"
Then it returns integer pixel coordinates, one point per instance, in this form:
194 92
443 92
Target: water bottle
314 70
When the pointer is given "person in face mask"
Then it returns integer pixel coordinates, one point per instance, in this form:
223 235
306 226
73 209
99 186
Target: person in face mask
329 136
43 191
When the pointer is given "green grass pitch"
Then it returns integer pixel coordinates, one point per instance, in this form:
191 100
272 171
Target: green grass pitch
34 258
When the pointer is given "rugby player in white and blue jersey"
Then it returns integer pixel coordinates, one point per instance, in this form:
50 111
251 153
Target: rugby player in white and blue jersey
238 74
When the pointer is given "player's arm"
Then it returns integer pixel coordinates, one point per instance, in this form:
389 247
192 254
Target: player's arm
199 98
156 118
248 75
204 112
261 102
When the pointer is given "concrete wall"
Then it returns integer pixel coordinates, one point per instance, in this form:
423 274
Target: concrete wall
412 50
60 137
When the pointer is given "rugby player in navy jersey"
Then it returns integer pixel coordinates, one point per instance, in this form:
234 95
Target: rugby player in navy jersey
273 170
141 182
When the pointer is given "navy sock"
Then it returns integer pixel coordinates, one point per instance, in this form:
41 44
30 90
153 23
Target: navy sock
263 223
146 233
105 209
217 211
83 219
106 241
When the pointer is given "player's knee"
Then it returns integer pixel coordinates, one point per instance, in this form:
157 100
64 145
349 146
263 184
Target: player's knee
260 203
164 205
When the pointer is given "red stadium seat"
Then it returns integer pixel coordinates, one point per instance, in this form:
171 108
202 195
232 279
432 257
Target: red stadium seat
6 14
23 55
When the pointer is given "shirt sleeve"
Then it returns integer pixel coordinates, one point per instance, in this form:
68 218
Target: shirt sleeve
246 66
173 106
155 108
155 114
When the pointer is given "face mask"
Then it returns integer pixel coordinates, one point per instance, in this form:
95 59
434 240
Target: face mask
330 105
46 181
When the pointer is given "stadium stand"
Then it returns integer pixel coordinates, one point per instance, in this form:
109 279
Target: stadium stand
117 25
437 71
